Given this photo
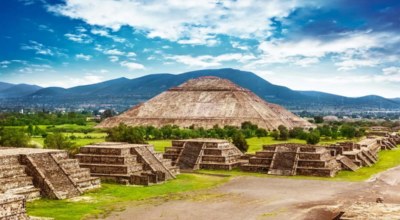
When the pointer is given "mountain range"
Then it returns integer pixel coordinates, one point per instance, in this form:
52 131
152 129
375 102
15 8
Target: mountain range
123 93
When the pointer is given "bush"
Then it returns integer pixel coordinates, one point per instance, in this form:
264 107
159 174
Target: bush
313 137
14 137
283 132
58 141
239 141
123 133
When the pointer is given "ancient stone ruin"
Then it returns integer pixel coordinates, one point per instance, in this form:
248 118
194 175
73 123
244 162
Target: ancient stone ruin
12 207
126 163
196 154
205 102
293 159
310 160
39 172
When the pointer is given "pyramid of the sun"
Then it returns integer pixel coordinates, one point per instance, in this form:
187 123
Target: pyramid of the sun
205 102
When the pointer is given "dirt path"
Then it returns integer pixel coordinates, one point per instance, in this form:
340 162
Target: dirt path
270 198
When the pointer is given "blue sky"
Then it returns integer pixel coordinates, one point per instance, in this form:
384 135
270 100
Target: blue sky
344 47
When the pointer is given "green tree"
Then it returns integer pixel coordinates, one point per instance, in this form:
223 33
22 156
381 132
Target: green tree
318 119
58 141
14 137
123 133
313 137
239 141
283 132
348 131
275 134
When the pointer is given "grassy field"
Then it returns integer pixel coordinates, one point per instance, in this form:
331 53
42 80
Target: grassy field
387 159
113 197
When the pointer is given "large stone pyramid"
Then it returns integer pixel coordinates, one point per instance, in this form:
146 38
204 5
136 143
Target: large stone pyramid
205 102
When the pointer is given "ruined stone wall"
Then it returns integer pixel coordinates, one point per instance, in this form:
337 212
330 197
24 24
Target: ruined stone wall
12 207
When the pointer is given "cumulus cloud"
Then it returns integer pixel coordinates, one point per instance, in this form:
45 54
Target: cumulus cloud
132 65
347 50
83 57
210 61
114 52
41 49
187 22
79 38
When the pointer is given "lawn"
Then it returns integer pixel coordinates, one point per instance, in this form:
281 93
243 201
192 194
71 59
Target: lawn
387 159
113 197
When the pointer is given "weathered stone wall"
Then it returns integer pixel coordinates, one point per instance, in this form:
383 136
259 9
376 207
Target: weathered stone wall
12 207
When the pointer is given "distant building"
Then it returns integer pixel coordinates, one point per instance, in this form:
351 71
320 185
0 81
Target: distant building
330 118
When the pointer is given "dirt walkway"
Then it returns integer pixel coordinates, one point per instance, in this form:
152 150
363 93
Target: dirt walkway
270 198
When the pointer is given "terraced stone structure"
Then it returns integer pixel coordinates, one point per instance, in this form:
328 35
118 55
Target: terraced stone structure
38 172
136 164
205 102
193 154
293 159
12 207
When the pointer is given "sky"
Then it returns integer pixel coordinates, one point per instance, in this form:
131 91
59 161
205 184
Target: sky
343 47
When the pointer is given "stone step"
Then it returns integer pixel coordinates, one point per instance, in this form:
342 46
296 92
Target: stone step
308 171
16 182
81 173
7 171
88 183
105 151
30 192
106 159
9 160
69 164
112 169
260 160
346 162
259 168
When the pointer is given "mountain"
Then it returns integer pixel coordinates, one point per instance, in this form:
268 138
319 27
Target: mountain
19 90
4 86
122 93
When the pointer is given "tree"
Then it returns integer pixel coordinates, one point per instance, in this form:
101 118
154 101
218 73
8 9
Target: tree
296 132
14 137
58 141
261 132
107 114
283 132
239 141
275 134
348 131
313 137
318 119
123 133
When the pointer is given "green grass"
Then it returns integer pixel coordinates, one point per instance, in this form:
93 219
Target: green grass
387 159
113 197
159 145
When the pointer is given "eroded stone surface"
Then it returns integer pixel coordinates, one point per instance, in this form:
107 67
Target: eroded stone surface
205 102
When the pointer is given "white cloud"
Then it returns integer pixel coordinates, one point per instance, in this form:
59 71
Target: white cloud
79 38
41 49
113 58
106 33
114 52
210 61
194 22
240 46
131 54
43 27
347 50
83 57
132 65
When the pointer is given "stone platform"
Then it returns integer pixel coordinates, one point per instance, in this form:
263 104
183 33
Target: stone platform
196 154
293 159
126 163
12 207
35 172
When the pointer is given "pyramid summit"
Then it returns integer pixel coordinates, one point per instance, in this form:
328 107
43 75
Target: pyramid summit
205 102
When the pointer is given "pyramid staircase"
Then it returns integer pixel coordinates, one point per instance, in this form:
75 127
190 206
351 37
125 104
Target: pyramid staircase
14 180
126 163
347 164
13 207
193 154
293 159
153 161
41 172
